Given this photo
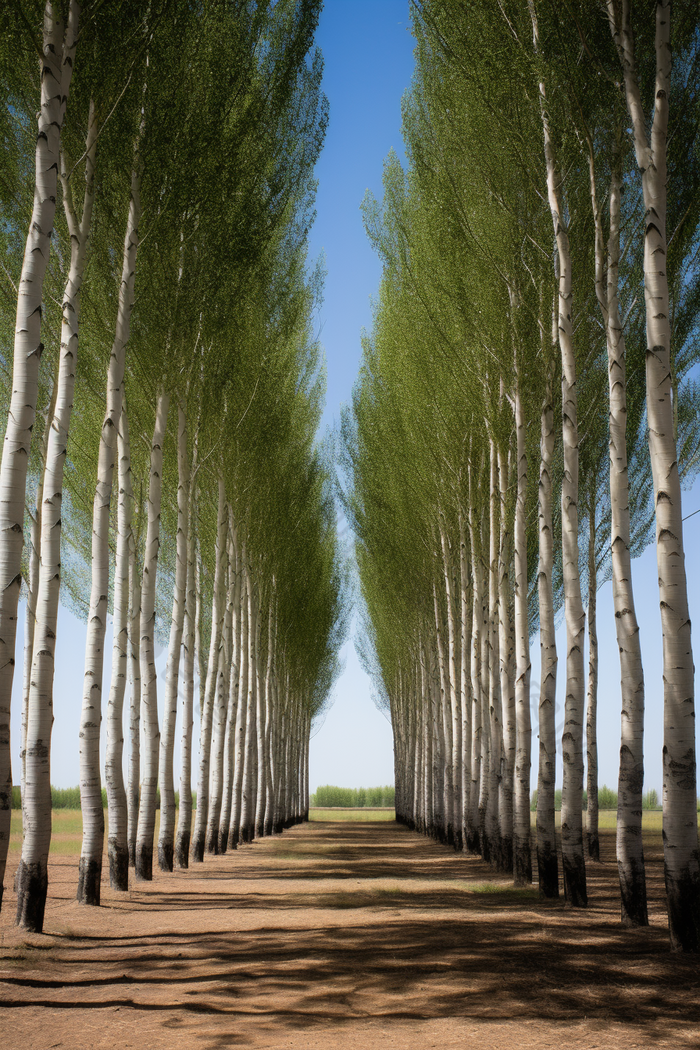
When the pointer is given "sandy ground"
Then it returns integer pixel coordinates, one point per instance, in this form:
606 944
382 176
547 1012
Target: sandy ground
355 936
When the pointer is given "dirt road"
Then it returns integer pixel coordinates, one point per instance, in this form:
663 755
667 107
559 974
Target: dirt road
352 936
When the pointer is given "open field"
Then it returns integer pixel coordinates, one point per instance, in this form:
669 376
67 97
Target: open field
361 813
67 824
336 934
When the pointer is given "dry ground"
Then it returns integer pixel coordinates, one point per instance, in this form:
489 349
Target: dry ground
348 935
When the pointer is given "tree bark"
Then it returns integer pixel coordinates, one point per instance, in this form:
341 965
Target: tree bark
149 676
56 71
90 866
207 701
184 817
547 861
522 859
134 774
573 862
681 857
166 834
117 838
592 689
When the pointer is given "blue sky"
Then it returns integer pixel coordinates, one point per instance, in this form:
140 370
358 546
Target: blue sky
368 64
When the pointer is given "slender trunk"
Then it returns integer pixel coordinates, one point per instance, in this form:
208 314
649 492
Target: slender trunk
454 695
223 701
172 671
134 776
32 880
232 713
547 861
681 859
573 861
521 816
234 828
447 772
149 675
475 670
90 866
630 847
492 839
117 846
184 816
33 560
247 801
505 645
209 696
56 70
465 683
592 691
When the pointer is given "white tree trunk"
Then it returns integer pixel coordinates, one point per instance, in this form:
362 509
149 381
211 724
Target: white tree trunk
134 773
522 859
33 586
573 861
630 847
465 682
184 817
32 881
234 829
492 841
547 860
209 693
221 714
117 837
233 687
56 70
149 676
592 689
455 699
681 858
505 648
166 833
90 867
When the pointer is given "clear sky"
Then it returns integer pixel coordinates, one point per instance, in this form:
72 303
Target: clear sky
368 64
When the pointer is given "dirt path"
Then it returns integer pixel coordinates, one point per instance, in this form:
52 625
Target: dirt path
352 936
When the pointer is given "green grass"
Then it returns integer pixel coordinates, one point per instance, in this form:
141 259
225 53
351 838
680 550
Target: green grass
66 831
352 814
652 819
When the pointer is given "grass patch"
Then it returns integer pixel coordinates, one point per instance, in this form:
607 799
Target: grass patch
652 820
352 814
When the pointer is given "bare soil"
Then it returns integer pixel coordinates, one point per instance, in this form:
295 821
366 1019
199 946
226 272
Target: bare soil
352 935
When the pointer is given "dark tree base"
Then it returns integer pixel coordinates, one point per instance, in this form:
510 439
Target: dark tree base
233 837
683 895
132 854
182 850
268 828
593 845
118 866
245 834
197 850
259 830
473 841
165 856
279 827
522 872
32 886
89 879
144 863
457 841
505 855
548 871
575 892
222 843
211 845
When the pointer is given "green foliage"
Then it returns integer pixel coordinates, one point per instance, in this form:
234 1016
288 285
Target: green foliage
650 799
330 796
607 798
